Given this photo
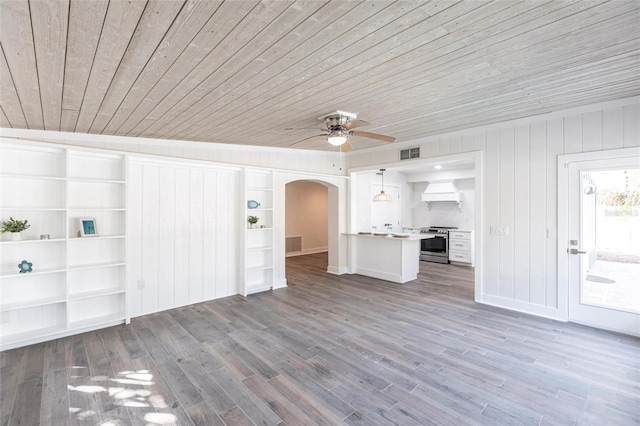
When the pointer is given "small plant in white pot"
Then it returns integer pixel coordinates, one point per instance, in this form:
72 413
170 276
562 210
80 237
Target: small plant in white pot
252 221
15 227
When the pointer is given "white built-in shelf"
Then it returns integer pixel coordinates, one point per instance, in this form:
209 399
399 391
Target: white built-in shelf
31 303
98 209
38 271
52 187
260 248
97 237
33 241
105 321
13 339
257 288
259 267
258 242
94 180
86 266
34 209
28 176
96 293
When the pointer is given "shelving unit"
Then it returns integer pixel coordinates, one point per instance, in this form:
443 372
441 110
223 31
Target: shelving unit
259 239
77 284
96 275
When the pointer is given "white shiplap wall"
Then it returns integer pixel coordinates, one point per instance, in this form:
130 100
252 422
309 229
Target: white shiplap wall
331 163
521 192
183 221
521 188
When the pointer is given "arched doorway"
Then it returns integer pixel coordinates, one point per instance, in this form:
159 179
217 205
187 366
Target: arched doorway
306 218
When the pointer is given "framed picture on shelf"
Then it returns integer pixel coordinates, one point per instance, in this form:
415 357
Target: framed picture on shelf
88 227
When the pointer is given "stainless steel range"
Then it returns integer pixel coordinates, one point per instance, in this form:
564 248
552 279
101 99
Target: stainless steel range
436 247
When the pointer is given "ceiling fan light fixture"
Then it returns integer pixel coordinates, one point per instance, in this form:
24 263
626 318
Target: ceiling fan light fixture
336 140
339 127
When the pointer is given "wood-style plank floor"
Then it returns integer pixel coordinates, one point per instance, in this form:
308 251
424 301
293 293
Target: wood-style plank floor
330 350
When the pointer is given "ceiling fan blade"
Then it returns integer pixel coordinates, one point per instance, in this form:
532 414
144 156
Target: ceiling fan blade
353 124
303 128
346 147
373 136
309 139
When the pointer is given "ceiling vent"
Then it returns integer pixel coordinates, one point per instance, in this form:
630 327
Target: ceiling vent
409 153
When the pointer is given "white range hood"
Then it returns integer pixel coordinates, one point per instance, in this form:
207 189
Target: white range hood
442 192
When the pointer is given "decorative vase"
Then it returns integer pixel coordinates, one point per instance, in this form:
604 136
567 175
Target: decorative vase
15 236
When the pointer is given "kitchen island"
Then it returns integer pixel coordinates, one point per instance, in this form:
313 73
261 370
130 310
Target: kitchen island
387 257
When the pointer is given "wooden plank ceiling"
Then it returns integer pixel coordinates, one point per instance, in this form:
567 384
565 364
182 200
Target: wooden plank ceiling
242 71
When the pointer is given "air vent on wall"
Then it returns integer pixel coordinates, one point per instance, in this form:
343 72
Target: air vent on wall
409 153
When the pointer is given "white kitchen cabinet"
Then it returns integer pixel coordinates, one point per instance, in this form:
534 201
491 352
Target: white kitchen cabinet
77 284
259 237
388 258
461 247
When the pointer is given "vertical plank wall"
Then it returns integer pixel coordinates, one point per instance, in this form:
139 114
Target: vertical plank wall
520 269
182 221
521 193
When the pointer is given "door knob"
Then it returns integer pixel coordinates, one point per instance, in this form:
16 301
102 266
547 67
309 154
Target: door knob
576 251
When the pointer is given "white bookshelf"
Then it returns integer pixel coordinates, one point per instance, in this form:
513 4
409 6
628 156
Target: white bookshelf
259 239
96 274
77 283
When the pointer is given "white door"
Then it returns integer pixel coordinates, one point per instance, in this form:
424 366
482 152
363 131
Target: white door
604 244
383 214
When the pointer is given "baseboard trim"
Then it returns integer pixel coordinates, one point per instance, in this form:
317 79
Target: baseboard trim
523 307
335 270
396 278
279 283
307 251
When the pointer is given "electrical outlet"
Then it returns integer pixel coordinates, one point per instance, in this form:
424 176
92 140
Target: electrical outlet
140 284
4 317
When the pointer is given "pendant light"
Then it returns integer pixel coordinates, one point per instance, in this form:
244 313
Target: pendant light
382 197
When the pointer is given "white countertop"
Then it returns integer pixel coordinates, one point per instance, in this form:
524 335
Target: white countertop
409 237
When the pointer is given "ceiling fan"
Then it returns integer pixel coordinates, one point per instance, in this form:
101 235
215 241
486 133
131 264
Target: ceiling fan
339 127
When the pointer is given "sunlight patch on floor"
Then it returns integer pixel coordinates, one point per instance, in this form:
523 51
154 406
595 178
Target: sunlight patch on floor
132 393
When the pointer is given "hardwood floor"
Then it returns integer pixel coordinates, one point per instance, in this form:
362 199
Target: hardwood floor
330 350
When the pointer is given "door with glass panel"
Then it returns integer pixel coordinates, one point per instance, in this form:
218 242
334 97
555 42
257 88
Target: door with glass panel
604 243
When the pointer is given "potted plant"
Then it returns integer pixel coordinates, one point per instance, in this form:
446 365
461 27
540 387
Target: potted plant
15 227
253 220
